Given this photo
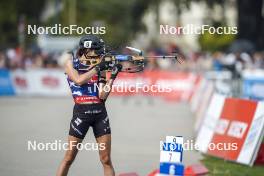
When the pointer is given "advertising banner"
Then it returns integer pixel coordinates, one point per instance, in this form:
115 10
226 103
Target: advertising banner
232 129
6 87
40 82
253 84
253 88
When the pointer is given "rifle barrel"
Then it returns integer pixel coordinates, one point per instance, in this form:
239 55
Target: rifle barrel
160 56
164 57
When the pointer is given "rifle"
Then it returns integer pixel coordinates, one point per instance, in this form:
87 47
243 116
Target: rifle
130 63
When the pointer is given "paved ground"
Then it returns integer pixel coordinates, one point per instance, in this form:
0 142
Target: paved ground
137 128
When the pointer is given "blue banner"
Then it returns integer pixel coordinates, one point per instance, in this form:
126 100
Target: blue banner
6 87
253 88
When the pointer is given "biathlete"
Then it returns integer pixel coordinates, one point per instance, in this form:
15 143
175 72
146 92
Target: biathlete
87 87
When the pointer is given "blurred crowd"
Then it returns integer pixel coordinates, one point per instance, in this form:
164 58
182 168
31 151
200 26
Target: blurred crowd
231 61
193 61
204 61
240 60
18 59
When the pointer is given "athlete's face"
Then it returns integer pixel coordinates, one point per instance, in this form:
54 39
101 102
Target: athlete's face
90 58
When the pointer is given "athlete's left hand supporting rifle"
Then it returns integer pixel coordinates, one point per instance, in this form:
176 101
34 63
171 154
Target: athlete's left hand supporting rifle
115 70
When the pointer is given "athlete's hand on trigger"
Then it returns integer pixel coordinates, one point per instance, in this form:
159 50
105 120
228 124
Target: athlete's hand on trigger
103 65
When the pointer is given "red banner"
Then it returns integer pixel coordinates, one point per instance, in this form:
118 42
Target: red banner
232 129
233 126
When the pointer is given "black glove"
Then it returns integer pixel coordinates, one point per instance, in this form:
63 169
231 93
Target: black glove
115 70
104 65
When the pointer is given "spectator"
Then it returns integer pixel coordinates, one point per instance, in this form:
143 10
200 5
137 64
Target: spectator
217 61
258 60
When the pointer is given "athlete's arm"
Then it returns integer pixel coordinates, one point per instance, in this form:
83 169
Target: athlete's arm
77 78
104 86
105 89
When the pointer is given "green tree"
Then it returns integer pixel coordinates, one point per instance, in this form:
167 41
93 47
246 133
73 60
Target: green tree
121 18
250 19
10 12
